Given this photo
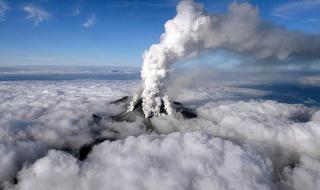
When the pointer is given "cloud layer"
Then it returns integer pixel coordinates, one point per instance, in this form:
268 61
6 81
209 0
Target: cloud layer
177 161
38 116
235 142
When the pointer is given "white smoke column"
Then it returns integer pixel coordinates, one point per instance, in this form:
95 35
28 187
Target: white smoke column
193 31
159 57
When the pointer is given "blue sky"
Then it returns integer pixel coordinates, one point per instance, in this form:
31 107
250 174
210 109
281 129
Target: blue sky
96 32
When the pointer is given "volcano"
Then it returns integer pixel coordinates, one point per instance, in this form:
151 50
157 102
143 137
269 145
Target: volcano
180 111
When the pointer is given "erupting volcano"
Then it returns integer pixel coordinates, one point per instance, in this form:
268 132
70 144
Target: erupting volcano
135 111
242 112
193 31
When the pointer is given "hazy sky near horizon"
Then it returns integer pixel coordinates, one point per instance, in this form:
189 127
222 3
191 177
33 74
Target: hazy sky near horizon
115 33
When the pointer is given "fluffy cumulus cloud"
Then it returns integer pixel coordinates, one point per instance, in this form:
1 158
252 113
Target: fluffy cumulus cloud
286 134
13 156
234 142
37 116
306 176
273 128
51 113
177 161
36 14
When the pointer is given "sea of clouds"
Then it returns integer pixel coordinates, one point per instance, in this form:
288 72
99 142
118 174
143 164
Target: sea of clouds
239 140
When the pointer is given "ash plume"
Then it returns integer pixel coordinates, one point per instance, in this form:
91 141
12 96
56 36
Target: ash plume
193 31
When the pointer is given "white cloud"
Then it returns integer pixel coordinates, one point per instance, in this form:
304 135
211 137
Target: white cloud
293 7
76 12
306 176
37 14
50 114
13 156
91 21
311 81
3 9
177 161
233 143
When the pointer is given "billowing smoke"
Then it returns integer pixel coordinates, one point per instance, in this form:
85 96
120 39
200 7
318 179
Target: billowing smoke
193 31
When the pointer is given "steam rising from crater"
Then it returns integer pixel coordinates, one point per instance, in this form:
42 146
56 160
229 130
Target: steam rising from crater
193 31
